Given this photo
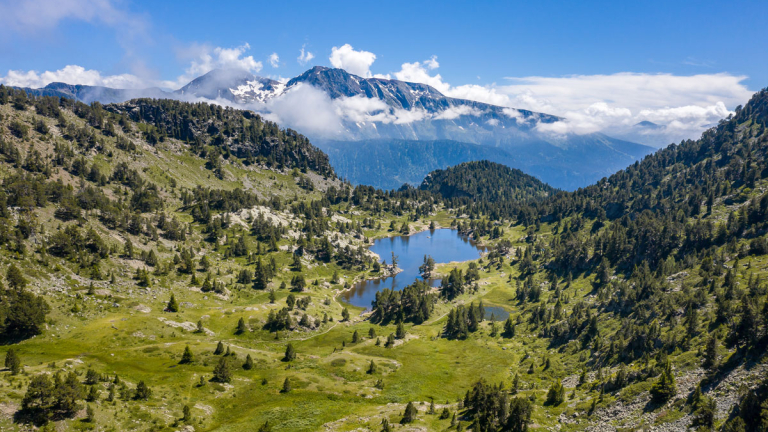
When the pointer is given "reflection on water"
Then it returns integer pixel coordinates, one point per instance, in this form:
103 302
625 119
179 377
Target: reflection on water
444 245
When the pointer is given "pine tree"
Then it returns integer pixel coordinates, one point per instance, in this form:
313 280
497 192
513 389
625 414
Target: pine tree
556 394
93 394
187 357
372 368
385 427
710 354
409 416
664 389
248 365
290 353
355 337
173 306
12 361
200 328
515 384
222 372
186 414
241 328
143 392
15 278
90 415
371 333
400 332
219 349
345 314
286 385
390 341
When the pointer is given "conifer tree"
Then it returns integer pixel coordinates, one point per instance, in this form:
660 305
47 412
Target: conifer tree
248 365
186 414
222 372
400 332
290 353
556 394
12 361
172 306
241 328
390 341
93 394
710 354
409 416
187 357
287 385
219 349
664 388
143 392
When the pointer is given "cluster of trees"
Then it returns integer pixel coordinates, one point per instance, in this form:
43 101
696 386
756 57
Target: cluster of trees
464 320
457 281
413 303
22 313
492 409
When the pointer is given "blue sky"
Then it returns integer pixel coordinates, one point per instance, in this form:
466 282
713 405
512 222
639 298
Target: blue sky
590 60
491 40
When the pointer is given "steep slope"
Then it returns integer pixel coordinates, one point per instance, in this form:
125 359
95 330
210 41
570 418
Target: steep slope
242 133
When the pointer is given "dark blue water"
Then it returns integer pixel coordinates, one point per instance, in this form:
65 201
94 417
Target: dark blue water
444 245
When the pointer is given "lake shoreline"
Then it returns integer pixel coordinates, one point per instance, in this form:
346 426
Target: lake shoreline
444 244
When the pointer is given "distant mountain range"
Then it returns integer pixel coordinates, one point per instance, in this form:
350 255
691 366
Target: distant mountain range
392 132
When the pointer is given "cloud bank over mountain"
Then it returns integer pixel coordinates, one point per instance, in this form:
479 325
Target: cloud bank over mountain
654 109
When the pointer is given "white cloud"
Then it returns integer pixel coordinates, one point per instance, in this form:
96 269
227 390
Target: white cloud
274 60
32 16
432 63
305 56
354 62
683 106
71 74
204 58
307 109
418 72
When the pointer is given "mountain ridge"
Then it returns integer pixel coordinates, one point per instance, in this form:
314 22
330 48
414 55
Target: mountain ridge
404 113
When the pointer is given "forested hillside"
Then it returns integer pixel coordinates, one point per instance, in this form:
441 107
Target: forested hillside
485 181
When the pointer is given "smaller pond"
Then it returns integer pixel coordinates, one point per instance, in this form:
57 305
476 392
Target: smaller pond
498 313
444 245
